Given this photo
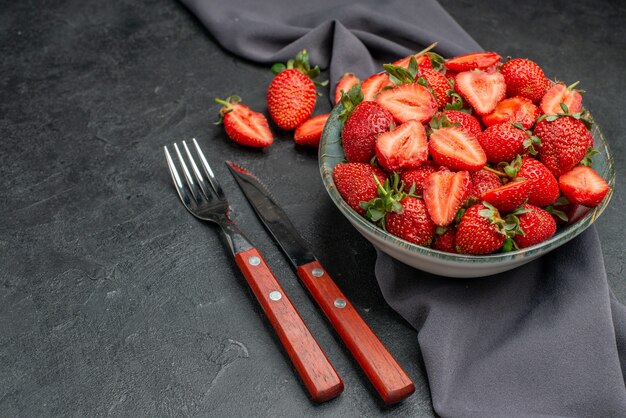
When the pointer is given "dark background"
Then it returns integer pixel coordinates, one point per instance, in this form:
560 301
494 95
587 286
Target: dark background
115 301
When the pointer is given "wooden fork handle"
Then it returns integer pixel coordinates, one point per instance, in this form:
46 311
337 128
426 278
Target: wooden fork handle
390 381
316 372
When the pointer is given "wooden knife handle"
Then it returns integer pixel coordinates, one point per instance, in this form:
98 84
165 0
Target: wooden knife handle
318 375
388 378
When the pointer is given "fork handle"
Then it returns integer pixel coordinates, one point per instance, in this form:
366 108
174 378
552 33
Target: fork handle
317 373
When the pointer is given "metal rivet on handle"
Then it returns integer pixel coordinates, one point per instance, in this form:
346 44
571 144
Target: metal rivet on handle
340 303
275 295
254 260
317 272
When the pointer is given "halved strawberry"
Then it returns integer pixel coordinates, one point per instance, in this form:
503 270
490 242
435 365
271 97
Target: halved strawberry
345 84
408 101
243 125
444 193
472 61
456 149
423 61
513 110
482 90
372 85
583 185
560 94
310 132
509 196
403 148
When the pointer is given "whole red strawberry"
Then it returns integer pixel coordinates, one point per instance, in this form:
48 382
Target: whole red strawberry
243 125
479 231
544 188
417 176
291 95
508 197
538 225
413 223
439 85
502 142
446 242
365 123
524 78
564 143
467 122
482 181
355 183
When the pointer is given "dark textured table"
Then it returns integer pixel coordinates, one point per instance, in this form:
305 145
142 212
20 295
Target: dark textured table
115 301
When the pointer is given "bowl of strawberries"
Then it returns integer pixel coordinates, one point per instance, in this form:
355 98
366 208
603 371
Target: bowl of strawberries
464 167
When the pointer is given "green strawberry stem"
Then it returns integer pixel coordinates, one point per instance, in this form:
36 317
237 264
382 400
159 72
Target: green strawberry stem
496 172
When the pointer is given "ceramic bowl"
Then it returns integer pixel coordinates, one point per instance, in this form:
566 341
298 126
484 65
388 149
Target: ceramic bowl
442 263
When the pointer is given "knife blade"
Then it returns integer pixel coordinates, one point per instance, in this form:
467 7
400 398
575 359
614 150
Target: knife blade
388 378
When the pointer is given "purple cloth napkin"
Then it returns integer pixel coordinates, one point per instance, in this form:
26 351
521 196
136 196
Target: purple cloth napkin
546 339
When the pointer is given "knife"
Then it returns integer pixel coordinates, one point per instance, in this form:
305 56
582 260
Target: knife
390 381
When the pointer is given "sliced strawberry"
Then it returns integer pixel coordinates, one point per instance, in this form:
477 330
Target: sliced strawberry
403 148
408 101
482 90
346 82
513 110
583 185
456 149
473 61
508 197
243 125
444 192
372 85
310 132
423 61
416 177
559 93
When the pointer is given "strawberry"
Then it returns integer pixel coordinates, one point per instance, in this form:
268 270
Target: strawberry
291 95
243 125
408 101
524 78
355 183
582 185
509 196
412 224
457 150
481 90
444 193
480 231
416 177
544 189
513 110
446 241
345 83
564 143
423 59
473 61
502 142
558 95
365 123
439 85
310 132
468 123
537 224
373 85
403 148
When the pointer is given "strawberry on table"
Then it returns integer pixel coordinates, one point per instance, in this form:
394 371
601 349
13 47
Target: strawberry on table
503 142
559 95
481 90
444 194
403 148
480 231
355 183
457 150
310 132
473 61
416 177
513 110
524 78
364 124
538 225
346 82
467 122
583 186
243 125
408 101
374 84
508 197
412 224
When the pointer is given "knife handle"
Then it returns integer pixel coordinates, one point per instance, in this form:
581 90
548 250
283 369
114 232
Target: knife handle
390 381
318 374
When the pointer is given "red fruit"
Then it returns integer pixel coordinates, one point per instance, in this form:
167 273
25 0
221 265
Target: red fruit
457 150
544 189
559 93
478 234
403 148
537 224
408 101
243 125
366 122
513 110
355 183
524 78
310 132
502 142
423 62
473 61
444 193
374 84
468 123
413 224
583 185
482 181
446 242
345 83
481 90
440 86
564 143
291 99
508 197
417 176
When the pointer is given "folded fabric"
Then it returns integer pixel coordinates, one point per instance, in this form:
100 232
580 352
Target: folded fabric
545 339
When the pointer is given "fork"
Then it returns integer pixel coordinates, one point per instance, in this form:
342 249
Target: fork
203 196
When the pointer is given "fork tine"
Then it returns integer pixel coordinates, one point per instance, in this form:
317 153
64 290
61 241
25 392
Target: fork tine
180 188
207 169
193 186
199 177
